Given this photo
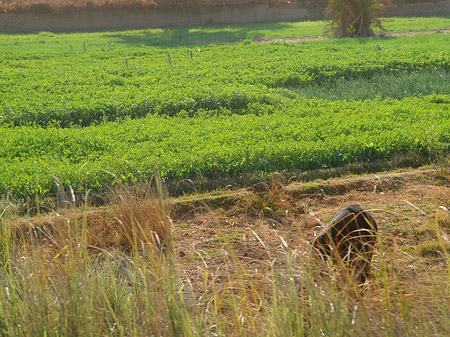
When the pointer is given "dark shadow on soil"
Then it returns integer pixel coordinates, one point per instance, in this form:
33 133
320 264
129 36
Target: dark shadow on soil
188 36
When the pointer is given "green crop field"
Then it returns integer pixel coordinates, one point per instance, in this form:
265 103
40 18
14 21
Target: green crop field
119 118
89 109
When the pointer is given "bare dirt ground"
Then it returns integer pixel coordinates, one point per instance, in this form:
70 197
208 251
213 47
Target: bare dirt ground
323 37
257 224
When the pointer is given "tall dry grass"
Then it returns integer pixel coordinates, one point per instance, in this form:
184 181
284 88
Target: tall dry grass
67 281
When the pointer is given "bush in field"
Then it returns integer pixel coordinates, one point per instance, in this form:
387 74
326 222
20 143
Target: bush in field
354 17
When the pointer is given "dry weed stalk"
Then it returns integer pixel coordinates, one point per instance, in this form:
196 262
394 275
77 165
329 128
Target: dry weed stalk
273 201
141 219
135 220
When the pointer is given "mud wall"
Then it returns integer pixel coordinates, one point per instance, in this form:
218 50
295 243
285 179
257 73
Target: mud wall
102 19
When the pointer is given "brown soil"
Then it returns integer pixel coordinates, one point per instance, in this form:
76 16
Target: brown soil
258 224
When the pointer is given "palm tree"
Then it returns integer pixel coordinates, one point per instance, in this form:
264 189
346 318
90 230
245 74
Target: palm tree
354 17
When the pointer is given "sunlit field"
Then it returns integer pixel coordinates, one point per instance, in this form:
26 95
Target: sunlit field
169 182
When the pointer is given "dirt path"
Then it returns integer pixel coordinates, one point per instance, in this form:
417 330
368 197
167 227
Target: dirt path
315 38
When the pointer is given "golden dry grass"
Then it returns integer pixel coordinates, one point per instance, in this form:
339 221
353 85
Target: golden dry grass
235 270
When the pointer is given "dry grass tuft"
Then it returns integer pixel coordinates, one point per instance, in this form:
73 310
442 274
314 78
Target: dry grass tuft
272 200
141 218
441 162
136 219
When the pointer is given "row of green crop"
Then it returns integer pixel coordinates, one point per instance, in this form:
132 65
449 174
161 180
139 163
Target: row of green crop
382 86
91 86
311 135
209 110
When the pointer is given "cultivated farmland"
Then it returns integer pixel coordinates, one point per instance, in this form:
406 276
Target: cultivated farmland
259 142
94 108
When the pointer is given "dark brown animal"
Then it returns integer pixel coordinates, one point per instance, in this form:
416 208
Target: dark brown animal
349 239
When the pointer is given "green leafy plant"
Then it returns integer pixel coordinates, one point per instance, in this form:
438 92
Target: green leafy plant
227 110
